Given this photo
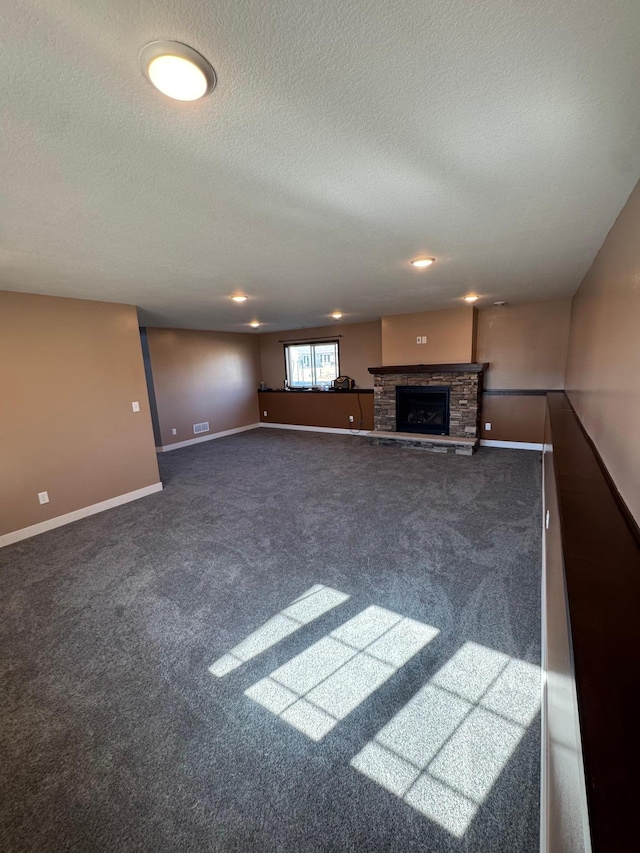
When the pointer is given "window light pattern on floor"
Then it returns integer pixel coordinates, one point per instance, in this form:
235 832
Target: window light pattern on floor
306 608
326 682
444 750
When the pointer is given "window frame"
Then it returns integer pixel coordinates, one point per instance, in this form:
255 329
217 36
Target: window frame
312 344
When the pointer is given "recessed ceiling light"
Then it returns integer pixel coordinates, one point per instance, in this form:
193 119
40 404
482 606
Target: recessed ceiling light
255 324
239 298
337 315
470 298
177 70
422 262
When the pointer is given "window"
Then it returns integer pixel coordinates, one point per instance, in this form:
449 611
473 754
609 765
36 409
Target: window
311 364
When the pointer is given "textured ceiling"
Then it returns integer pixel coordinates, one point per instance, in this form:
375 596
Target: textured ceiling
343 139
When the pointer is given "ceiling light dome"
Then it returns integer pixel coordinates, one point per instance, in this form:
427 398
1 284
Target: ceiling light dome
337 315
421 263
177 70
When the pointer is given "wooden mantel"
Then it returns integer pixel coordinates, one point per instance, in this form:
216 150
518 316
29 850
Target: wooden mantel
474 367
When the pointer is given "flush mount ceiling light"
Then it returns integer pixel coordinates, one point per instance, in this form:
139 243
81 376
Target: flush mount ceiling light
471 298
501 303
421 263
337 315
255 324
177 70
239 298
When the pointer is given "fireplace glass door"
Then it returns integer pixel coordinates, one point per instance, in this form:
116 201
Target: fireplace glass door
423 409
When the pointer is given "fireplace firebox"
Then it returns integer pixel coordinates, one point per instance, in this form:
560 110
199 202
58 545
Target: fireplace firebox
423 409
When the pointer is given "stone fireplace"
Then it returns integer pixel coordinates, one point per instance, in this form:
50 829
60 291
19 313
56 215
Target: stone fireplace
432 406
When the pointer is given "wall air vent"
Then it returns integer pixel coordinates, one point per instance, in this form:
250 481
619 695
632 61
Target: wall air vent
198 428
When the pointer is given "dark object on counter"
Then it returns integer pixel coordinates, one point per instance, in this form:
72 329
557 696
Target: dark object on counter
344 383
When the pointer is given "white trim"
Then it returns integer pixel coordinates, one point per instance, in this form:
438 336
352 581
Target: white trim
514 445
201 438
76 515
544 663
335 430
550 711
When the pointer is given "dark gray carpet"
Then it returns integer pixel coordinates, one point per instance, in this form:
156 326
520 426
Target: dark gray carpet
116 737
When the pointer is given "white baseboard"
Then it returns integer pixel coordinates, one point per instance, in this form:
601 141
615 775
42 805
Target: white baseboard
544 666
334 430
76 515
513 445
209 437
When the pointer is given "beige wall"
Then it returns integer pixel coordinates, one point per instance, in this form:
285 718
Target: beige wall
69 371
603 367
525 345
450 337
359 349
203 376
526 348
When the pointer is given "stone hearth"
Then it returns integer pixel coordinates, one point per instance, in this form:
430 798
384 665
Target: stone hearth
465 382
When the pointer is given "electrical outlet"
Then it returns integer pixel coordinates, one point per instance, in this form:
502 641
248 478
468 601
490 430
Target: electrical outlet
174 432
264 414
424 339
350 419
43 497
418 340
135 406
487 427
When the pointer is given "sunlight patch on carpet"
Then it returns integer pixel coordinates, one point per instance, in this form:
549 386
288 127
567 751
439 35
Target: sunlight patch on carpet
444 750
326 682
306 608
